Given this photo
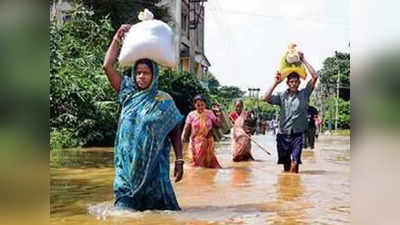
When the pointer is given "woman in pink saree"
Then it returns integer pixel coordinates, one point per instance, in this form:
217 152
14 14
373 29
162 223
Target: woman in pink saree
242 130
199 123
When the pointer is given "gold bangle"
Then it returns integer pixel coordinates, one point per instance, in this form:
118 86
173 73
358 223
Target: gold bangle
179 160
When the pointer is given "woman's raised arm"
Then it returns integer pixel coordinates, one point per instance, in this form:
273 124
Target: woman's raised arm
111 55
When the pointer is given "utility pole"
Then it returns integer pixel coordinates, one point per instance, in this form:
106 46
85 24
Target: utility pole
258 92
337 92
250 92
254 93
321 103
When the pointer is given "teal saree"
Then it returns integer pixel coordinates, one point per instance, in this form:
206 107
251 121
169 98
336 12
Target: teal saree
142 147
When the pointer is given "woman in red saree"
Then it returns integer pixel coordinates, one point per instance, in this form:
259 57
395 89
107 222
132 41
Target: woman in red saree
233 116
199 123
242 130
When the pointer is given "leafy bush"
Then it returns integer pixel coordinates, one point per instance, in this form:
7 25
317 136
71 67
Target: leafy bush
343 113
183 87
61 139
81 100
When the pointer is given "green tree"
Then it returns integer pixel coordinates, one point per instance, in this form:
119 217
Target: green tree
324 96
212 83
230 92
226 95
81 100
343 112
183 87
124 11
261 108
338 65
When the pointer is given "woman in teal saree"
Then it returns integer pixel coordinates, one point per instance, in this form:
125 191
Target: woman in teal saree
148 125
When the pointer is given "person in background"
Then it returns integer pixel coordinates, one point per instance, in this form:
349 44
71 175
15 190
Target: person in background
267 124
238 110
199 124
329 127
261 125
318 122
309 135
273 126
244 127
293 116
225 124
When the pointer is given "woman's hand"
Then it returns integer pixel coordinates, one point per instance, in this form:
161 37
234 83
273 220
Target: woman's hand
111 56
216 110
178 171
175 136
313 72
124 28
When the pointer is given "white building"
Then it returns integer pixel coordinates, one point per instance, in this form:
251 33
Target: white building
188 23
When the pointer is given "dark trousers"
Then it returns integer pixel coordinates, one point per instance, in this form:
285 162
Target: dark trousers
309 138
289 148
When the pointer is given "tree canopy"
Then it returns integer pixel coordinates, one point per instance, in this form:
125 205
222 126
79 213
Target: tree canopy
325 94
124 11
338 65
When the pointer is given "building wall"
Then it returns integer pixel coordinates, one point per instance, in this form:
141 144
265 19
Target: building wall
191 41
59 10
184 63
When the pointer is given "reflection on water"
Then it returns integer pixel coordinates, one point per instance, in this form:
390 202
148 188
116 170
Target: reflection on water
240 177
289 194
289 187
82 158
254 192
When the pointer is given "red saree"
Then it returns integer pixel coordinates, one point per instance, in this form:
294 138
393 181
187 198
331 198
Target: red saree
241 142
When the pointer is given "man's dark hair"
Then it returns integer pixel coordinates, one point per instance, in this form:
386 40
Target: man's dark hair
293 75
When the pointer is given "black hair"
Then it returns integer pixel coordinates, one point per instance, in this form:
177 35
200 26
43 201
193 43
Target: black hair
199 97
293 75
147 62
238 100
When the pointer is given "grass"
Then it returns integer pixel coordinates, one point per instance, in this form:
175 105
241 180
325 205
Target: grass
345 132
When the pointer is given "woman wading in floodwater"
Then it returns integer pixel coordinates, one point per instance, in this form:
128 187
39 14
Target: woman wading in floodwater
199 123
148 124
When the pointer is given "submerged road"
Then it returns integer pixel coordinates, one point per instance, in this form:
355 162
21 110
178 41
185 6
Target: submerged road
254 192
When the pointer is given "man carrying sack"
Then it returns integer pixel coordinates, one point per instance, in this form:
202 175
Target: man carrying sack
293 115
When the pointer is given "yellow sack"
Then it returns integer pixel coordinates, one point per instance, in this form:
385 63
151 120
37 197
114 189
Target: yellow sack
290 62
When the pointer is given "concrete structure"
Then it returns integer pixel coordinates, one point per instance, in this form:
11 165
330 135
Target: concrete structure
59 10
188 23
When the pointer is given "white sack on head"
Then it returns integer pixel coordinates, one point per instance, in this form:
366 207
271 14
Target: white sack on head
152 39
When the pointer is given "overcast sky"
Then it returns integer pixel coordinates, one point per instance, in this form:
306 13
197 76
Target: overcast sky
244 40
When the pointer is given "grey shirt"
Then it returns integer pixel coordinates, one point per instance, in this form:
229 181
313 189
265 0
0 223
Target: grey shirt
293 114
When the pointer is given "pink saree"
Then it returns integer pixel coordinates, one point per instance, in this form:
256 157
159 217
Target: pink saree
241 142
201 139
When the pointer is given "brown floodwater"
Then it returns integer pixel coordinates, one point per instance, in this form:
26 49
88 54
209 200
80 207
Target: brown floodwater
241 193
